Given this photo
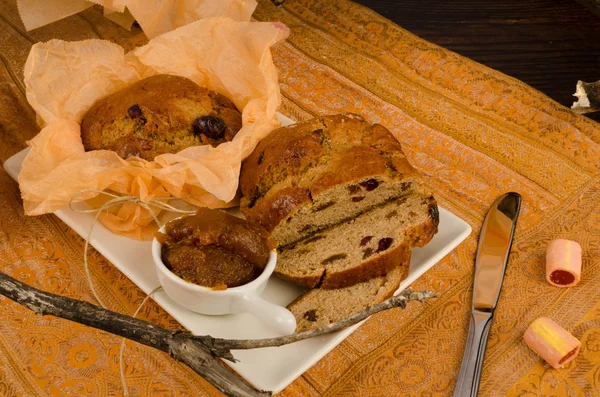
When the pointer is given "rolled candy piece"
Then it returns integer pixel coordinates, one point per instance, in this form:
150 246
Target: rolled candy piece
563 263
551 342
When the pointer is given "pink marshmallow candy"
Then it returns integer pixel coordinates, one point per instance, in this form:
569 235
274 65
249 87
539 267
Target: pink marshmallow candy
551 342
563 263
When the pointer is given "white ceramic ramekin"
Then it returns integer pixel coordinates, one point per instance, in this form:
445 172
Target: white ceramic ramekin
243 299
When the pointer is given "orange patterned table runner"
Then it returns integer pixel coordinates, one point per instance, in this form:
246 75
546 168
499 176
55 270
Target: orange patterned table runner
473 133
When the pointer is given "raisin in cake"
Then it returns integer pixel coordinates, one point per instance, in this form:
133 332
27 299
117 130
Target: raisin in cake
157 115
339 197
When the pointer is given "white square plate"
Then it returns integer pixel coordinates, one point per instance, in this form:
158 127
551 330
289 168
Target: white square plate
269 368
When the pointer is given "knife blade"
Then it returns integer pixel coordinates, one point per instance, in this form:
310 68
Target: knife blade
493 249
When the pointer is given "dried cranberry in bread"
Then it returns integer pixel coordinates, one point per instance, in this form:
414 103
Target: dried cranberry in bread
318 307
309 176
157 115
360 249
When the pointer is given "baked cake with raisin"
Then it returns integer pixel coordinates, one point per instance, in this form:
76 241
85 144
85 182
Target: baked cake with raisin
157 115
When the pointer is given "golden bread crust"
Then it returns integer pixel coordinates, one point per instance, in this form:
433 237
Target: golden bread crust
315 156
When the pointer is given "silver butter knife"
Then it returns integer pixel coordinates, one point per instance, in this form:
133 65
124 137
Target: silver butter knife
493 249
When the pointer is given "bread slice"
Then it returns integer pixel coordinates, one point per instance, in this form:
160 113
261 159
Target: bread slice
314 175
355 251
318 307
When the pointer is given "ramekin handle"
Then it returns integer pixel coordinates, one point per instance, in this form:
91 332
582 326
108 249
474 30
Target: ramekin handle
276 317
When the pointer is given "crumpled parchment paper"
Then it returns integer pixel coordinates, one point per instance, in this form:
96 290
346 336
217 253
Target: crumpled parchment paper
64 79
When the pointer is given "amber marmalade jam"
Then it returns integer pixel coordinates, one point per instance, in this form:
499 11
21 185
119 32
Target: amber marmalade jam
215 249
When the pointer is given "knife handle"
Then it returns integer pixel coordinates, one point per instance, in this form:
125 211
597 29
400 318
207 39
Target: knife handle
469 376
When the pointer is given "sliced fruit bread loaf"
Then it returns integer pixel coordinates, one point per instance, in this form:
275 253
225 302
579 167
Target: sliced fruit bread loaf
318 307
339 197
312 175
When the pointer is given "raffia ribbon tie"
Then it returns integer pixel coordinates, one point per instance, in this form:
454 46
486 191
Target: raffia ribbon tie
157 203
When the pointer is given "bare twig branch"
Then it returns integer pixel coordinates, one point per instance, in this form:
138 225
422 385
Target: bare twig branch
198 352
219 346
181 346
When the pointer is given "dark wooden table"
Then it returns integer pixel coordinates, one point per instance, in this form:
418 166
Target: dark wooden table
548 44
